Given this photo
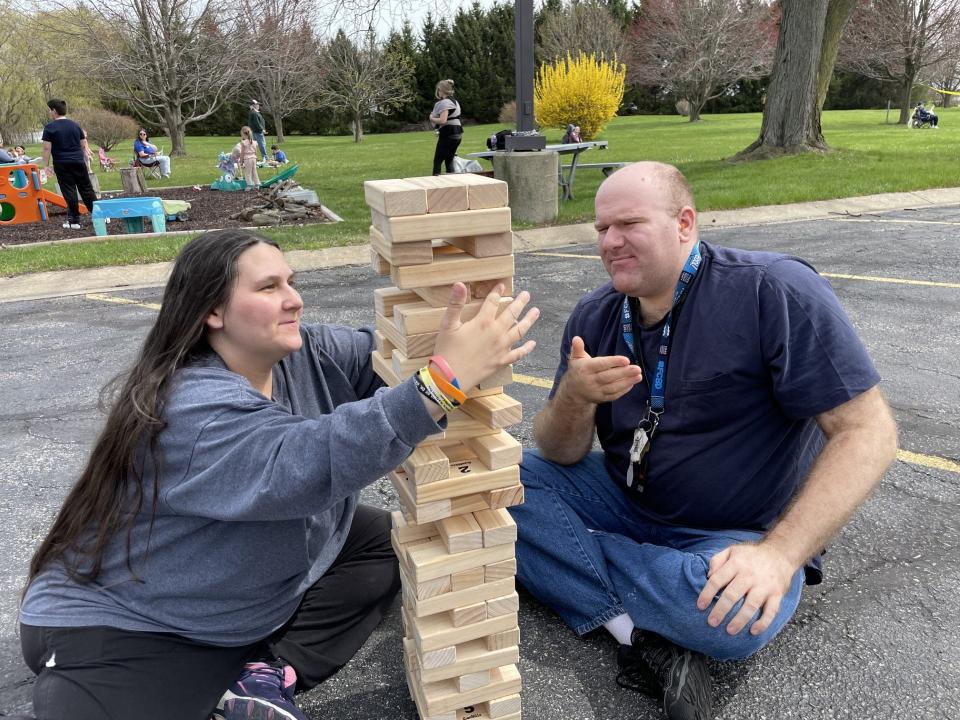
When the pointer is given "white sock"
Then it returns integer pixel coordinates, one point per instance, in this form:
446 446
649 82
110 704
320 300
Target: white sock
620 627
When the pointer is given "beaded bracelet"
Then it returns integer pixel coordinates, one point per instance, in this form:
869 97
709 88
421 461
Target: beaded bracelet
445 368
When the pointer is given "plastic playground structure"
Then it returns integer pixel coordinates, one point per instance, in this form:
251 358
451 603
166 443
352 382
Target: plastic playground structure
22 197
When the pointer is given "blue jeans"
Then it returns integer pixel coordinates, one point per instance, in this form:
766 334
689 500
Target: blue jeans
584 551
262 144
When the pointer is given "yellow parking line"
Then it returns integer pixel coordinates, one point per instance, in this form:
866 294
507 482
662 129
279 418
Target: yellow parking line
930 461
896 281
120 300
839 276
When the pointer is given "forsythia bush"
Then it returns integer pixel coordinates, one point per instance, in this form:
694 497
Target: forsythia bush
584 90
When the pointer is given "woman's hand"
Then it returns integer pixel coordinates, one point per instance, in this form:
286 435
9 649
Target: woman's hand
479 347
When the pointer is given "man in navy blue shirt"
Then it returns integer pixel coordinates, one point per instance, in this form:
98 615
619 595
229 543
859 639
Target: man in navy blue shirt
740 424
64 140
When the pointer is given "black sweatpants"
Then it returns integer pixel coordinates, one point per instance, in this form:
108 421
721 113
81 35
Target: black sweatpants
447 144
101 673
73 179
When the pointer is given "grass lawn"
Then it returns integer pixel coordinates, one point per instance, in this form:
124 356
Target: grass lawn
869 156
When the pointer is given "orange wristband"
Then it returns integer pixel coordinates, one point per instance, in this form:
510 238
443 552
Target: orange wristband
454 393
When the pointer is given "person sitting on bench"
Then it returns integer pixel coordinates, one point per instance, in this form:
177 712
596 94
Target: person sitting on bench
572 135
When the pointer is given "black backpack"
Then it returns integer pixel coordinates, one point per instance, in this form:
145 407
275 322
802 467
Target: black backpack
498 140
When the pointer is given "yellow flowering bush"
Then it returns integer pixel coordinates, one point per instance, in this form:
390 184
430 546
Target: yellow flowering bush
584 90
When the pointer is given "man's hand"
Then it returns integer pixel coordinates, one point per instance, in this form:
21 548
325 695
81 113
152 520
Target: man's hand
757 572
598 379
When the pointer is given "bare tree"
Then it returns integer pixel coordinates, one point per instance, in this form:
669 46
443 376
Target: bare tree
287 73
699 49
171 61
946 80
363 80
586 25
810 31
21 103
904 41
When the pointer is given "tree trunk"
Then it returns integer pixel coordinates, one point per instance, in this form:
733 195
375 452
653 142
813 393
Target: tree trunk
694 111
278 127
788 115
177 130
838 13
906 102
357 127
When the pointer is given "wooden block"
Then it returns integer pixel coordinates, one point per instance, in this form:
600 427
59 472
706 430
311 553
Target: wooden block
385 299
505 497
481 288
485 245
383 368
442 225
437 587
441 657
454 598
467 579
403 366
431 560
437 631
409 345
503 639
503 605
443 696
384 346
378 263
408 532
465 477
413 253
472 656
442 195
494 572
483 192
469 614
437 296
459 427
496 410
461 532
503 376
496 451
472 681
427 464
448 269
502 706
497 526
395 198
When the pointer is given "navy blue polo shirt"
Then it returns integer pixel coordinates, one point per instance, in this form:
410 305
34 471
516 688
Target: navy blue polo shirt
760 348
65 137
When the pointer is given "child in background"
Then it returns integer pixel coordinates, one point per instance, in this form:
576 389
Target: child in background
279 156
248 158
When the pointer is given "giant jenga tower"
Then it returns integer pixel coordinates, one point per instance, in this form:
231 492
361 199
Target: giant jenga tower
454 538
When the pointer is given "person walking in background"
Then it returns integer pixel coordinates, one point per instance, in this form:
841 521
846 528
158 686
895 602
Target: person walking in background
149 154
248 158
445 118
65 142
258 127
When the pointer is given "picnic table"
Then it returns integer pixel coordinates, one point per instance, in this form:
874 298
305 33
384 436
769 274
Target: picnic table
574 149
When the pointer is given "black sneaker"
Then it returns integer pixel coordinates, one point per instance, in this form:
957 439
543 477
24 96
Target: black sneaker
679 677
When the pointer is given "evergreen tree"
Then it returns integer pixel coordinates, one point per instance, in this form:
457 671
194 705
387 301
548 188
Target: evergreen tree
403 44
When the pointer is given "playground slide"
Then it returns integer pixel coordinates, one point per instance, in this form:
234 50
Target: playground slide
54 199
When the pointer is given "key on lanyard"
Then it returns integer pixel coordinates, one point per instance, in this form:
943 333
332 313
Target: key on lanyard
638 449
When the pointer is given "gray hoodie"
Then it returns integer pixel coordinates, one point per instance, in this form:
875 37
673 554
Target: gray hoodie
255 496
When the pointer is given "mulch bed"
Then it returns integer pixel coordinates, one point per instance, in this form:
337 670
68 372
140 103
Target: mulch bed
209 210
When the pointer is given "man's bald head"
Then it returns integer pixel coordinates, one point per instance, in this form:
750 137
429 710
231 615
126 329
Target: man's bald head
666 179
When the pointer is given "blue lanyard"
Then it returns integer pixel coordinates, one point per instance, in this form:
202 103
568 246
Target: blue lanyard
689 272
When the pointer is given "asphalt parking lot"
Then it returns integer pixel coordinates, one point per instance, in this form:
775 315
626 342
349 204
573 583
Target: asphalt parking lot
880 638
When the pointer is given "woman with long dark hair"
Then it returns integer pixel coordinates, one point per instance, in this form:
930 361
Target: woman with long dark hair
213 557
445 118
